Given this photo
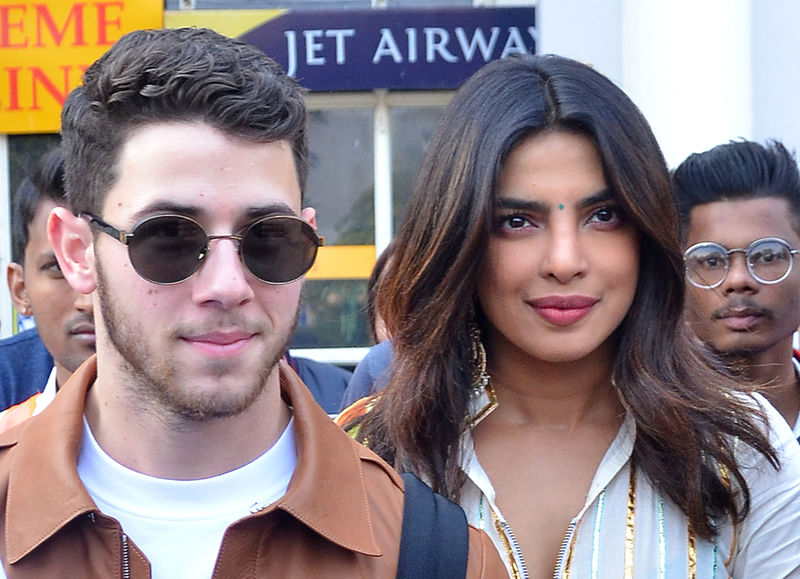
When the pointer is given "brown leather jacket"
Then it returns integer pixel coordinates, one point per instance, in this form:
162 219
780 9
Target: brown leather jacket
341 516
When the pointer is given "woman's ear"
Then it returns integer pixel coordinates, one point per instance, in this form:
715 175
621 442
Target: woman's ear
71 239
16 287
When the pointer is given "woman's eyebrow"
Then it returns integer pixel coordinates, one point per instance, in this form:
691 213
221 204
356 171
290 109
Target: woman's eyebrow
534 206
603 196
523 204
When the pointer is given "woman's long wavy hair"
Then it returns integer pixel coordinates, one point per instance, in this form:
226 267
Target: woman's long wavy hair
686 409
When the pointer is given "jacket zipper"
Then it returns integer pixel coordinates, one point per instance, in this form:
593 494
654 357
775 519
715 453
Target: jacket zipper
562 552
126 562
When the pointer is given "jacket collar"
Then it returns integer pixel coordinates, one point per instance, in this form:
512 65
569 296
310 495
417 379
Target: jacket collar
44 490
327 491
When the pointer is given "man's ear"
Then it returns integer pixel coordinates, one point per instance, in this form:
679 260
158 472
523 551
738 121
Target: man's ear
309 214
16 287
71 239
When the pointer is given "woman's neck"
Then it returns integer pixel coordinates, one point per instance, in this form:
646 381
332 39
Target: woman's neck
555 394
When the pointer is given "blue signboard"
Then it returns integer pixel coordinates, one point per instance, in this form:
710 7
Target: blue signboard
398 49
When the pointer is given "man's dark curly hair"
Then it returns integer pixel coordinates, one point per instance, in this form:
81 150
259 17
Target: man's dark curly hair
175 75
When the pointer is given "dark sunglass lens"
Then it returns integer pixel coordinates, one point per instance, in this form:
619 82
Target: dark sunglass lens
279 249
167 249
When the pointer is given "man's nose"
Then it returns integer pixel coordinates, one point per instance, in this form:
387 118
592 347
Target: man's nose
739 277
83 302
223 277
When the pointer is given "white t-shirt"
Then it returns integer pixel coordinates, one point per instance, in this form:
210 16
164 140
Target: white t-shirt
46 397
179 524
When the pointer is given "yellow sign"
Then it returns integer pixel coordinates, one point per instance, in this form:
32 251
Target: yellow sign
343 262
45 46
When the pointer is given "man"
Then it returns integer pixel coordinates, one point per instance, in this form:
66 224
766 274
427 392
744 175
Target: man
186 448
740 206
30 365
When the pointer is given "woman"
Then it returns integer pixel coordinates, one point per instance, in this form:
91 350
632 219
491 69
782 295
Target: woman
543 376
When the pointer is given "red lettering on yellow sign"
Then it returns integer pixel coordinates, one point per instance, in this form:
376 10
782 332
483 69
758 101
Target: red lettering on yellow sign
13 86
43 16
103 21
37 83
47 29
7 25
46 45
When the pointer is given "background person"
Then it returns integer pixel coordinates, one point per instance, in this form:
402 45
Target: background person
40 360
327 382
371 373
543 375
740 210
186 447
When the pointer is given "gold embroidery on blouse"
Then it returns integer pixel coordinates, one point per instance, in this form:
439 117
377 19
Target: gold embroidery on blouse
515 572
692 548
630 524
725 475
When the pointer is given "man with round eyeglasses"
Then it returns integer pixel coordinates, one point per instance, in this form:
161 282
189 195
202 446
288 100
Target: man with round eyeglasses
740 211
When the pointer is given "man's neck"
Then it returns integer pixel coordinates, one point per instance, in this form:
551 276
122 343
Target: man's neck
773 373
144 442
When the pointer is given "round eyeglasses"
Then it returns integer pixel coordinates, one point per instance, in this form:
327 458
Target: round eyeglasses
169 249
769 260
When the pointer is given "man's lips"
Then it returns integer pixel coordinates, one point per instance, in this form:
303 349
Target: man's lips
563 310
739 319
82 331
220 343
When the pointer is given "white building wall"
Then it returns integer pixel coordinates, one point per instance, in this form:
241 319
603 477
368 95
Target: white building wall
776 71
586 30
687 64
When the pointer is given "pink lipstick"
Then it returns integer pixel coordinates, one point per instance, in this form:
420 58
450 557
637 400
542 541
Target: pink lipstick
563 310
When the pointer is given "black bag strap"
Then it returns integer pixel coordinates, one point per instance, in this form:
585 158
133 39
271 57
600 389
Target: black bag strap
435 540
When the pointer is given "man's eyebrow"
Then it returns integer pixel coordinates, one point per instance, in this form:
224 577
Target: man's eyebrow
196 212
167 207
534 206
269 209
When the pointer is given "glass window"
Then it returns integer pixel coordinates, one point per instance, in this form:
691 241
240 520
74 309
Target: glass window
341 189
332 314
341 183
411 132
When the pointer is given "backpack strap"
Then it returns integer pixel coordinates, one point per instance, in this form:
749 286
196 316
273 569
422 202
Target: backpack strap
435 541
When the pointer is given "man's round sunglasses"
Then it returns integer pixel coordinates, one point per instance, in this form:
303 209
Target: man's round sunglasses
769 260
169 249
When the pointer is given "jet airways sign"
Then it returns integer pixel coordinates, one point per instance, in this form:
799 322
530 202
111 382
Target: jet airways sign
398 49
